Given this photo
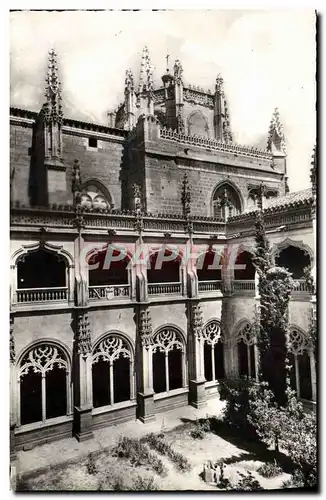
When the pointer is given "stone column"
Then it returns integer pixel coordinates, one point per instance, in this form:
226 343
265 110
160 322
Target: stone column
83 377
231 358
145 344
197 395
12 388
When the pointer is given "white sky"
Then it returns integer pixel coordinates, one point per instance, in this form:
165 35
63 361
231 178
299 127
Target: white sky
267 59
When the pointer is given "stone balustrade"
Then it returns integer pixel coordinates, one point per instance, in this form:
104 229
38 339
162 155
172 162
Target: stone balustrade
164 288
243 285
108 292
26 295
209 286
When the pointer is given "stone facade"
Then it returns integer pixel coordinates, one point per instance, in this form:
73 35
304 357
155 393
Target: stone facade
141 182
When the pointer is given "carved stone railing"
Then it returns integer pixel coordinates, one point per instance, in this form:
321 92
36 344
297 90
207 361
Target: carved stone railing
159 95
108 292
214 145
243 285
209 286
164 288
301 286
199 96
27 295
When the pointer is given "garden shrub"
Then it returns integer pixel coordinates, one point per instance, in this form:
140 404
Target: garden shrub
202 426
91 465
270 469
144 484
161 445
138 453
248 483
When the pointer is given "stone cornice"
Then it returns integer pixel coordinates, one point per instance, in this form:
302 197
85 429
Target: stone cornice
23 116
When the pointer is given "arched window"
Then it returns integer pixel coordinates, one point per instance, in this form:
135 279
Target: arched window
164 273
44 384
108 277
168 360
208 266
41 269
197 125
246 341
213 351
226 202
244 268
294 259
300 354
112 371
95 196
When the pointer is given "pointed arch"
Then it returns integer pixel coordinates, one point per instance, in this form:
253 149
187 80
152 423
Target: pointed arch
301 357
234 196
96 194
197 124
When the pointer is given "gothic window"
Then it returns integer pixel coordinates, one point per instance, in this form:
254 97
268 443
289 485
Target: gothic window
213 352
112 372
94 196
107 268
162 270
294 259
246 341
168 360
209 266
226 202
41 269
300 353
44 385
244 268
197 125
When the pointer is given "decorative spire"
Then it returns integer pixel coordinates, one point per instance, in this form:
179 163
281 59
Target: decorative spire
178 70
76 179
185 196
222 117
146 73
52 107
276 138
313 172
129 81
137 198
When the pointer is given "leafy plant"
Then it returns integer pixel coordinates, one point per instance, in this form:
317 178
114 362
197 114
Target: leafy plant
163 447
143 484
91 465
248 483
270 469
138 453
200 429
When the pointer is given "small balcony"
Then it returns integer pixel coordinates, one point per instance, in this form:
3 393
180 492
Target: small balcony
243 286
28 295
108 292
301 288
173 288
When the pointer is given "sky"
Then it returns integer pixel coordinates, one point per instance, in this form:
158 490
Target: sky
266 57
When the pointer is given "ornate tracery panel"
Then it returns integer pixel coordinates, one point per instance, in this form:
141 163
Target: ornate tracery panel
247 355
168 360
301 357
44 384
112 371
213 351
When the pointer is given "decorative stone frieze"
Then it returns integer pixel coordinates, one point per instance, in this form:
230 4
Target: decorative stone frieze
84 343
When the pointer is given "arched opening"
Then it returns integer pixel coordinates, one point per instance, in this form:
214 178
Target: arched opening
197 125
95 196
300 360
108 274
41 269
112 372
44 384
244 268
164 273
226 202
209 274
294 259
246 351
213 352
168 361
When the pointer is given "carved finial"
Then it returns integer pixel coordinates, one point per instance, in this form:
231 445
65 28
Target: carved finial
129 81
12 341
313 172
137 198
219 86
260 194
276 138
185 196
222 117
146 73
178 70
52 107
76 179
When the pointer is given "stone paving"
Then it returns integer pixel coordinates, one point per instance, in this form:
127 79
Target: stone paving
69 448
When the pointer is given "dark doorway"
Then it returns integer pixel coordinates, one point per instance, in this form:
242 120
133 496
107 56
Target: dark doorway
41 269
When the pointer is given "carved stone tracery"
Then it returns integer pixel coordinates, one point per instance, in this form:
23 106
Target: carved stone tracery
247 334
212 333
111 348
166 340
43 358
298 343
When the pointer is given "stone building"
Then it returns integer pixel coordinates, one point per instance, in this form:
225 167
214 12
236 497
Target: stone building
132 284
